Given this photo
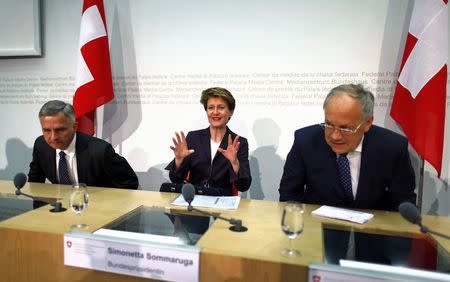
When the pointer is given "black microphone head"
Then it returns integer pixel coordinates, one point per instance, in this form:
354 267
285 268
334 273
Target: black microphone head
188 192
20 180
410 212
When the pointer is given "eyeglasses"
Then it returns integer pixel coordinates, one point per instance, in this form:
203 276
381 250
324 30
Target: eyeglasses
342 130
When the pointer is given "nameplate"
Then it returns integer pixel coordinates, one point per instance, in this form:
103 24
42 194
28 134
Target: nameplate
319 275
135 258
369 272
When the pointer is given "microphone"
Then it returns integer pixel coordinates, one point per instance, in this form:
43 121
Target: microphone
20 180
188 192
412 214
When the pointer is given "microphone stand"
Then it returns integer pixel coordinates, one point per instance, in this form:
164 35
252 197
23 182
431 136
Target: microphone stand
236 223
425 229
57 206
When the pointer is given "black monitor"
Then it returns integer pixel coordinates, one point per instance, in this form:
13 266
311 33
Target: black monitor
417 251
188 228
12 205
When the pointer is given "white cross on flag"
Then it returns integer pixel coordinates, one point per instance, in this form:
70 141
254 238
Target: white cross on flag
93 82
419 100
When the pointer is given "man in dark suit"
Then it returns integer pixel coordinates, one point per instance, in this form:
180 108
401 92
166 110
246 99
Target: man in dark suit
346 161
65 156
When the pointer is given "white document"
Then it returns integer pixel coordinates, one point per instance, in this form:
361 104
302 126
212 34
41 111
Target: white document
343 214
226 203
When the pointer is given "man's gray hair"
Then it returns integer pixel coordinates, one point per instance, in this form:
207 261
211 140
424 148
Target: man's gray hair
357 92
54 107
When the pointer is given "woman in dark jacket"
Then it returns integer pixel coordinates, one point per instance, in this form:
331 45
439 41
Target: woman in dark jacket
214 157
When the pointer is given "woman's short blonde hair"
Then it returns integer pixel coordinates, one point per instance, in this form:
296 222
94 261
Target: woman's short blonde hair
220 93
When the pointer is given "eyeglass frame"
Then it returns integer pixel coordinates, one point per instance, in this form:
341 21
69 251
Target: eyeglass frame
343 131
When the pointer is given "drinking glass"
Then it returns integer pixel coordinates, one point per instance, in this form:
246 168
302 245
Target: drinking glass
79 199
292 225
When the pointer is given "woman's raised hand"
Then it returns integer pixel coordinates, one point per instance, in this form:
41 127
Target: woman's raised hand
180 148
231 152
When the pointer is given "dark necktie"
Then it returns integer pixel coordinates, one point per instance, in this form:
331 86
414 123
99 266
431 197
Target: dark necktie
64 177
345 176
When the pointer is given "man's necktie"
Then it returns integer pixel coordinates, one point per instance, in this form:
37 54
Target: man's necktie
64 177
345 176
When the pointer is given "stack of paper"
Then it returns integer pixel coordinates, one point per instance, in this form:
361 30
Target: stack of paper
227 203
343 214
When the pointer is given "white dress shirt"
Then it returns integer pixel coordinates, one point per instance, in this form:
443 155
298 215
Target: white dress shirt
214 146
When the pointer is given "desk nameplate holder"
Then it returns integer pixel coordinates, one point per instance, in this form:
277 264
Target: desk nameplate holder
370 272
132 257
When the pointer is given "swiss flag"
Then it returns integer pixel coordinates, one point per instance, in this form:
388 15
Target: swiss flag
93 81
419 100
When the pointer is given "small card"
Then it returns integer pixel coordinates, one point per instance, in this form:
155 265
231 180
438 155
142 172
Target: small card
343 214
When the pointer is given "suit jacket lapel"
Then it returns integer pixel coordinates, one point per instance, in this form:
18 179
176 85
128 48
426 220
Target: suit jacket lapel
82 153
223 144
218 158
364 171
51 160
206 143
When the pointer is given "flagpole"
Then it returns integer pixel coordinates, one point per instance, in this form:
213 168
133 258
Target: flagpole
420 188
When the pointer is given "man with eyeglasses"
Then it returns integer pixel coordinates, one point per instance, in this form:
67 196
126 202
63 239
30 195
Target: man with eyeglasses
347 161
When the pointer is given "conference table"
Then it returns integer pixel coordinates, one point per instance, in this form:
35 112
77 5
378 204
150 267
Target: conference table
31 244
